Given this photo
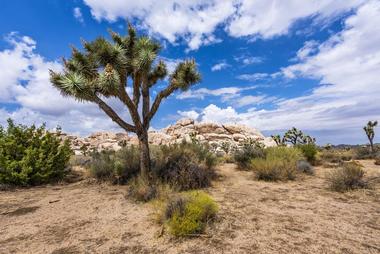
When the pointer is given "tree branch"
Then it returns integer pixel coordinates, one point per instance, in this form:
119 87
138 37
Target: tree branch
146 103
157 101
113 115
124 97
136 89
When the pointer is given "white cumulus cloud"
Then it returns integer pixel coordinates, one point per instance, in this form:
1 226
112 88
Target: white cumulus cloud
196 21
347 65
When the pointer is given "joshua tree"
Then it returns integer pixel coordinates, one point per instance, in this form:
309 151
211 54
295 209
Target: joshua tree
294 137
370 132
279 141
107 68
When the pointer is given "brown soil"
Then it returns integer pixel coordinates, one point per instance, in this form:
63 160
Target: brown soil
255 217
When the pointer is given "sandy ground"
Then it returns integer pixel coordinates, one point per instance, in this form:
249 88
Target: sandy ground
255 217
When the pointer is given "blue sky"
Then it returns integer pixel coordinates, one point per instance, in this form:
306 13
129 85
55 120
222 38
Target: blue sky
271 65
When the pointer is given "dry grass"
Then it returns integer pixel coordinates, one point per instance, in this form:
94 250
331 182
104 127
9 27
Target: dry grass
301 216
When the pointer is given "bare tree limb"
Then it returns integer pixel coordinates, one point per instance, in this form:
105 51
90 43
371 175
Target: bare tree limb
146 102
113 115
124 97
136 89
157 101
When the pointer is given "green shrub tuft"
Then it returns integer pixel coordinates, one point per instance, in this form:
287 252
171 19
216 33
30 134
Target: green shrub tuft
189 213
31 155
309 151
348 177
115 166
280 163
249 151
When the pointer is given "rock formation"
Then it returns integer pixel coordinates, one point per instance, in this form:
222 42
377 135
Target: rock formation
219 137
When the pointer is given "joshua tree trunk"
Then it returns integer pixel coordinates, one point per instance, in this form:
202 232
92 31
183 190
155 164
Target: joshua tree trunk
371 145
144 155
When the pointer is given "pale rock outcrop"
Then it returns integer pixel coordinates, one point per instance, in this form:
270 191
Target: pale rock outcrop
217 136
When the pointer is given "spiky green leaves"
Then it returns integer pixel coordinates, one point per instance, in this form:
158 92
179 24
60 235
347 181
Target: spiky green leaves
104 52
185 75
158 73
78 86
73 84
145 52
108 82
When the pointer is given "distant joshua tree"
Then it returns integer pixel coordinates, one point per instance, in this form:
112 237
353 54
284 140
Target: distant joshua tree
104 69
370 132
278 140
294 137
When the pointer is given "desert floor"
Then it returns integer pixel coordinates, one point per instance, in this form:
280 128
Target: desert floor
255 217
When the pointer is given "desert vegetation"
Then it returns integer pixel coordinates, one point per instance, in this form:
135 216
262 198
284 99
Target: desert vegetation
188 214
31 155
186 191
193 192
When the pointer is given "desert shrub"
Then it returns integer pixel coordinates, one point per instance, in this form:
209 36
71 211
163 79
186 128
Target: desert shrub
31 155
309 151
140 189
249 151
184 166
115 166
364 152
290 154
337 155
280 163
348 177
377 158
80 160
101 166
189 213
305 167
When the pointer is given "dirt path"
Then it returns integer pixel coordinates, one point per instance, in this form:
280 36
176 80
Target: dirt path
255 217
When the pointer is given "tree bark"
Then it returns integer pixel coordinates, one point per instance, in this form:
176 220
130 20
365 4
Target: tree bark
371 144
144 154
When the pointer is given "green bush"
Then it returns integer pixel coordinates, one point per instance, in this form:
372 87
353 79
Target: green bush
249 151
31 155
189 213
309 151
348 177
184 166
280 163
115 166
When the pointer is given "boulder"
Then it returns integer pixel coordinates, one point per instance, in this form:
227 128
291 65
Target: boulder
215 135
